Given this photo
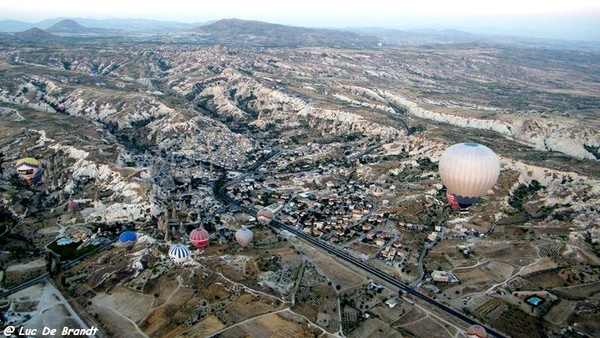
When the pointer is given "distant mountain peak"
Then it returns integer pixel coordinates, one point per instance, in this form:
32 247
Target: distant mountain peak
67 26
67 23
35 34
259 33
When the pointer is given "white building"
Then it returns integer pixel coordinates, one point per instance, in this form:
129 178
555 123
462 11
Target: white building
392 302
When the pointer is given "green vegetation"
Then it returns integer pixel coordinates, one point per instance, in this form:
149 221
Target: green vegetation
523 193
70 251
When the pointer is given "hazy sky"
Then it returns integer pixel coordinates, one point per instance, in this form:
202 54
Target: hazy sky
552 16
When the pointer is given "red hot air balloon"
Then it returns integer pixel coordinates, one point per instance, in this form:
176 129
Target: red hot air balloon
199 238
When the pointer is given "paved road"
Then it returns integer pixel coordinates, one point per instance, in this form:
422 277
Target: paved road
221 194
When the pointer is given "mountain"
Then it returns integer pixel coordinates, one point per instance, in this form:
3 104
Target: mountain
257 33
14 26
417 36
127 25
36 35
422 37
72 27
137 25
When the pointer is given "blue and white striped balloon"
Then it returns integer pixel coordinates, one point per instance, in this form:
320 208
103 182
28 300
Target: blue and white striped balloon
179 254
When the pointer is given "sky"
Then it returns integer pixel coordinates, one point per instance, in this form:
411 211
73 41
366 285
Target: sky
554 18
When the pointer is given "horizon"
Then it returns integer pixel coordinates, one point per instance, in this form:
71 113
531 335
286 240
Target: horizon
575 20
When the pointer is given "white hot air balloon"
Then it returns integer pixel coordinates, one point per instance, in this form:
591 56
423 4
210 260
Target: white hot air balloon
476 331
264 216
179 254
244 236
469 170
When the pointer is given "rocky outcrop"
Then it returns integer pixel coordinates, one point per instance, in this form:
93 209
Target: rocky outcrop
546 135
131 201
241 97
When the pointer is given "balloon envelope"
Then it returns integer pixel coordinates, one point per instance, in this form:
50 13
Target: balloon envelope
244 236
72 206
469 170
128 239
476 331
29 169
199 238
264 216
179 254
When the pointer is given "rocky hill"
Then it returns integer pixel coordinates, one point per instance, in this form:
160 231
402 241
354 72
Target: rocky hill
68 26
36 35
256 33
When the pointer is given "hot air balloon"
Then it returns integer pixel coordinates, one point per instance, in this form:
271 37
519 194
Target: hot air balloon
199 238
469 170
30 170
72 206
244 236
476 331
179 254
128 239
264 216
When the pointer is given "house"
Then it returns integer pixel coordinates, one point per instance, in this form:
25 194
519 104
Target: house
392 302
440 276
388 253
432 237
374 287
379 241
443 277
